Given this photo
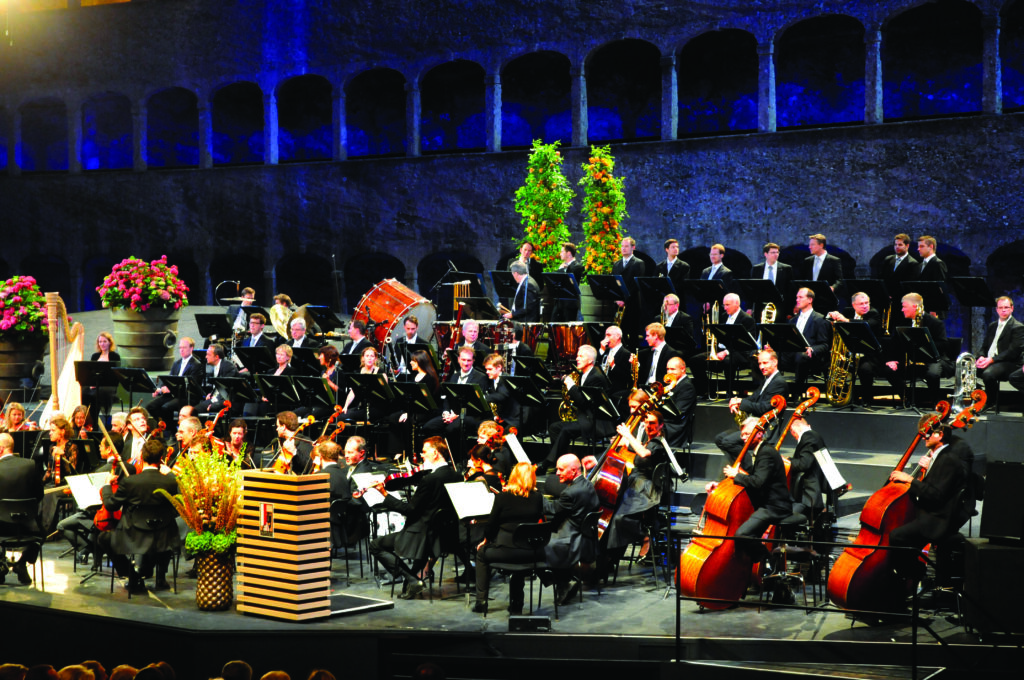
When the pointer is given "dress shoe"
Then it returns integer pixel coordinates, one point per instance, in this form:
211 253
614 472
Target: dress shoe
467 577
161 583
136 586
21 569
412 589
480 607
569 593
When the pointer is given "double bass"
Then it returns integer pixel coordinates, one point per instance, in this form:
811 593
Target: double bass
713 567
862 577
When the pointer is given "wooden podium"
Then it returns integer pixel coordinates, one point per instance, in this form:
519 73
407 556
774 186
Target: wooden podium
284 542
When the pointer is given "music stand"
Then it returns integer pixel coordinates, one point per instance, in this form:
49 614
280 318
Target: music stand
972 291
653 290
252 309
825 299
873 288
134 380
237 390
26 442
186 390
783 337
918 345
468 398
736 339
214 326
598 403
525 390
349 363
304 360
257 359
323 317
91 450
858 337
314 391
504 283
561 285
608 287
760 292
704 291
533 367
279 390
479 308
680 340
416 399
421 347
372 388
936 299
95 373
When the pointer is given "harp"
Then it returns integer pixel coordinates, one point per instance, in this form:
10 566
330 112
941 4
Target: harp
67 345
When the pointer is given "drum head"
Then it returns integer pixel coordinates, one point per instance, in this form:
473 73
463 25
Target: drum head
388 303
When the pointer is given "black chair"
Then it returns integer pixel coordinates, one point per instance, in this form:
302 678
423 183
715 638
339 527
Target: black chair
532 536
19 518
339 517
153 518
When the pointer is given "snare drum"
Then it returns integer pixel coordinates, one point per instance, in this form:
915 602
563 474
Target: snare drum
388 303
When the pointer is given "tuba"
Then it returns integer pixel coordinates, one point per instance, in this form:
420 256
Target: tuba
566 411
965 379
842 371
768 313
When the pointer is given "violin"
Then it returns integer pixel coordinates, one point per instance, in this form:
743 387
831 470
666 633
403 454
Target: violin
282 464
394 481
317 462
862 576
714 567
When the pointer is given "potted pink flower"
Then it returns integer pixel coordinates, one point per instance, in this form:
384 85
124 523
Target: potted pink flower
23 331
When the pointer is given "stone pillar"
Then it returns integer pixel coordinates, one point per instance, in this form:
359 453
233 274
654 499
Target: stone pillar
669 98
580 121
874 110
270 131
14 143
766 87
140 131
492 111
74 113
413 112
339 144
205 133
992 72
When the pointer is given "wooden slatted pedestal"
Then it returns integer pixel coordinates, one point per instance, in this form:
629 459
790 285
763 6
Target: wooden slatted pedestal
284 565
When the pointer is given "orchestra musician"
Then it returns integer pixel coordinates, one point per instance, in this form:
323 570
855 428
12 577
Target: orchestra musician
756 405
356 407
102 397
280 313
526 301
357 336
518 503
481 467
819 265
344 485
588 425
807 481
674 318
65 451
448 423
80 422
422 368
680 406
1000 353
19 478
630 267
931 268
894 370
717 271
654 360
862 311
816 332
498 394
935 499
427 515
236 313
567 512
568 310
135 533
492 435
471 338
236 448
410 336
257 323
779 273
899 268
15 421
297 329
731 364
163 404
525 257
294 448
672 268
217 368
615 361
329 360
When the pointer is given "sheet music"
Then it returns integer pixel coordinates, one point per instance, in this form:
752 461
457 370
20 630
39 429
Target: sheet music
367 480
86 488
828 467
517 449
471 499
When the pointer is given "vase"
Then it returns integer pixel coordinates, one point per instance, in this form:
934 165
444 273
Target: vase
214 581
18 361
146 339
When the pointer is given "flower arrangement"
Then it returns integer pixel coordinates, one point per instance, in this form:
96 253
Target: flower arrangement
139 285
208 499
24 311
542 202
604 208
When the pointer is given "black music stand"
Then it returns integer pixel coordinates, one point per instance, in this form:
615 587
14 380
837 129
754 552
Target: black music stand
305 362
599 403
760 292
972 291
96 373
90 448
736 339
349 363
26 442
936 297
479 308
466 400
524 390
534 368
237 390
681 341
873 288
373 389
324 319
314 391
783 337
424 347
279 390
134 380
214 326
561 285
504 283
186 390
257 359
653 290
608 287
918 346
858 337
825 299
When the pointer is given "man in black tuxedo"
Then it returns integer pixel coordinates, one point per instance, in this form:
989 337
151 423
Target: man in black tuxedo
818 334
568 310
654 360
672 267
587 425
935 501
566 512
1000 354
863 312
498 394
147 526
899 267
347 510
730 363
163 405
297 331
217 367
717 271
257 338
757 404
614 360
676 318
931 267
679 408
526 301
236 315
779 273
429 518
410 336
19 478
807 481
448 423
895 368
357 335
630 267
819 265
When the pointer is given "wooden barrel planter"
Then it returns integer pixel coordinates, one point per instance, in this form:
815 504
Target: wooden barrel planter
146 339
18 360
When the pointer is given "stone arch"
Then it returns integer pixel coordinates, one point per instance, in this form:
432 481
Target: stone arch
305 110
1005 269
1011 54
452 99
107 132
94 270
717 77
624 91
819 67
52 273
306 278
5 126
245 269
432 267
375 113
44 135
931 61
535 100
172 128
236 113
365 271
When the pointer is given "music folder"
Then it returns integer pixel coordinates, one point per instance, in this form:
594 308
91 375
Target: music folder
470 499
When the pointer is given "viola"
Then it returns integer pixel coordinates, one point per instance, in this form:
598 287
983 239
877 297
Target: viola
862 576
714 567
282 464
395 481
316 461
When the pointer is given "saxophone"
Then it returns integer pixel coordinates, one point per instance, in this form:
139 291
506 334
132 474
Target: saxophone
566 411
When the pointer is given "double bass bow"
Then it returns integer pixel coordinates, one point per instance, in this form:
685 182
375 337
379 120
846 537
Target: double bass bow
105 520
713 567
862 576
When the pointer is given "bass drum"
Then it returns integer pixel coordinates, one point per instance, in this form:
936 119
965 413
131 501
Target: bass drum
388 303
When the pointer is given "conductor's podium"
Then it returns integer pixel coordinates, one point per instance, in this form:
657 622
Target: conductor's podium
284 540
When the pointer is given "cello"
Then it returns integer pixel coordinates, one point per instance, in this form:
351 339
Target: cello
713 567
862 576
